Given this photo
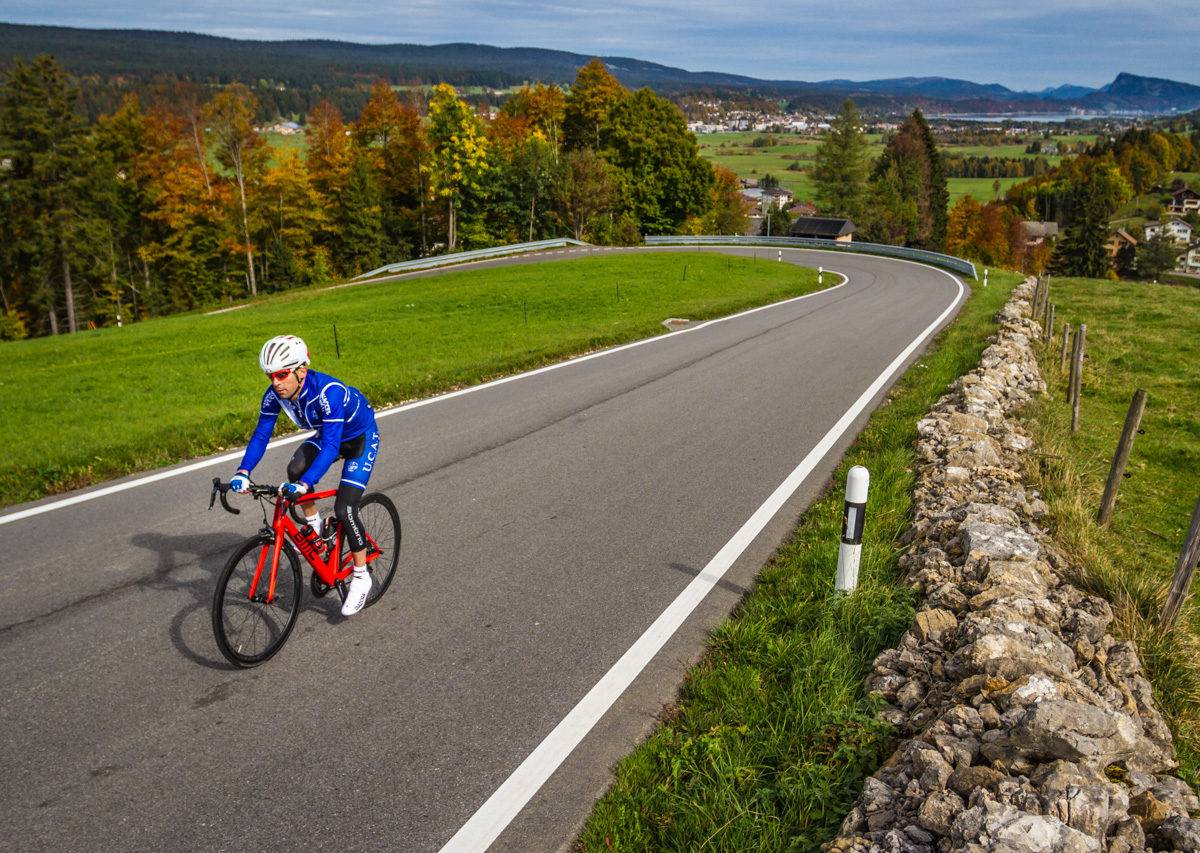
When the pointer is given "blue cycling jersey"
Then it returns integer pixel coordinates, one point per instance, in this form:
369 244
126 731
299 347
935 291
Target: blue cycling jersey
335 410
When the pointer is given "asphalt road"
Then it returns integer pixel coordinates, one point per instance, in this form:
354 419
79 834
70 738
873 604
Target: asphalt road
548 522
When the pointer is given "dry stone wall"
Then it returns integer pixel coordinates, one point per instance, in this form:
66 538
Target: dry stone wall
1029 727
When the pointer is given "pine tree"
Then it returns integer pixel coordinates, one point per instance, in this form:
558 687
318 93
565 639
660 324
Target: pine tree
50 187
937 191
359 221
121 141
840 171
1082 251
1156 255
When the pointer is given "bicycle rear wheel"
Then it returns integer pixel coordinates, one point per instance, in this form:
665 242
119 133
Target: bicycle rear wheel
250 630
382 525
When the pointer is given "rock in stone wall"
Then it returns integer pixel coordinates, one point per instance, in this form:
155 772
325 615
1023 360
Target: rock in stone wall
1029 727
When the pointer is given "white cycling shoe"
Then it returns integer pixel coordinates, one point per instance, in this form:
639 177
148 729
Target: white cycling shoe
356 596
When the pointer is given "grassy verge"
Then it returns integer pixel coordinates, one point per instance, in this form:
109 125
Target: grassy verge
1138 336
772 736
99 404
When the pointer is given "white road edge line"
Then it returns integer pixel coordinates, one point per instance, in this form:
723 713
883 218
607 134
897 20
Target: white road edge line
416 404
494 816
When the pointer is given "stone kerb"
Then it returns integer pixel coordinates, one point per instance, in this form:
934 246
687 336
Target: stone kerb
1029 727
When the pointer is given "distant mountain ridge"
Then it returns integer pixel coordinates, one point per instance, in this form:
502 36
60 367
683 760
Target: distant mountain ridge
305 63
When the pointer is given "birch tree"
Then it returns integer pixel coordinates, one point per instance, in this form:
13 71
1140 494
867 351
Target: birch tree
241 150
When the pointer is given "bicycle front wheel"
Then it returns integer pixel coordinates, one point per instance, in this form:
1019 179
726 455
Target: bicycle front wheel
249 629
382 525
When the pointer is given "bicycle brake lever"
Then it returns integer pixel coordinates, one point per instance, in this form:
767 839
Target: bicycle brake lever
217 489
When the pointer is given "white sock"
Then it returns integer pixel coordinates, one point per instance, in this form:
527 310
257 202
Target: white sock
314 521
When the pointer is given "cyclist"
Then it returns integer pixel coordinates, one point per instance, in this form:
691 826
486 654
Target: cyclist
345 427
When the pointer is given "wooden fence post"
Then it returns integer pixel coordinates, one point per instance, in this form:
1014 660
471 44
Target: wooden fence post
1062 357
1071 375
1050 325
1077 370
1132 421
1184 569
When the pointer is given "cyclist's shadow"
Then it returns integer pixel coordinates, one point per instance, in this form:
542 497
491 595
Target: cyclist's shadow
191 564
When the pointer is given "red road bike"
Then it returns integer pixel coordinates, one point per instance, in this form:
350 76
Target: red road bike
259 591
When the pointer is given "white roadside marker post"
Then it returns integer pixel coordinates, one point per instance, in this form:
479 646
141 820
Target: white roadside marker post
853 515
820 272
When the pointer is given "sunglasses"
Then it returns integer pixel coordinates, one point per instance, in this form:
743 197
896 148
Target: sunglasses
279 375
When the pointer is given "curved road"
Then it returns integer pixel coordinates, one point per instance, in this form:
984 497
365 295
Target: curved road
570 536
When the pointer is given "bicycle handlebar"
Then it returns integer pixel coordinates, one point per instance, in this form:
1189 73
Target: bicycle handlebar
222 489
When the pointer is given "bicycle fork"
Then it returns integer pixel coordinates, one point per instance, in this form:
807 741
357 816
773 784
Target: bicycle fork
273 548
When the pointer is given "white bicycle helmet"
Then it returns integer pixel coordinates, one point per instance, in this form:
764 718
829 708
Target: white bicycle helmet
283 352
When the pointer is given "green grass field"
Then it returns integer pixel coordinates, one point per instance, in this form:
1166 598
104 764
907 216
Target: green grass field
735 151
282 144
103 403
1138 336
982 189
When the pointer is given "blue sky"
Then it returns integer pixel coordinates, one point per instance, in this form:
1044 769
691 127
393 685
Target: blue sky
1021 44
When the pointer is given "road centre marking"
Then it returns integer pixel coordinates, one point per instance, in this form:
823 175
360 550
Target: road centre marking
146 479
478 833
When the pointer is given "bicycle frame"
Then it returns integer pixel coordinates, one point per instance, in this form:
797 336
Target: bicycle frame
331 569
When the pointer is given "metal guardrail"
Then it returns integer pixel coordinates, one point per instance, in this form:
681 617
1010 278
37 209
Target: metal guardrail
967 268
476 255
949 261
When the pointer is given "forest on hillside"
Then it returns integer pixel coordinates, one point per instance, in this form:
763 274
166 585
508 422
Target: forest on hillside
175 201
179 202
